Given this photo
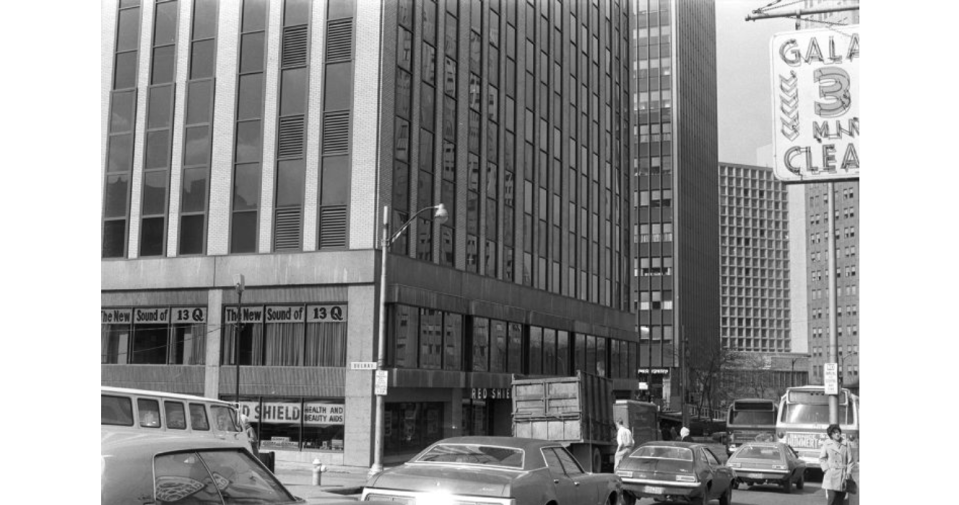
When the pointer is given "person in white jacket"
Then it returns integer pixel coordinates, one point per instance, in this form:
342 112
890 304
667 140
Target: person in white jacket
836 462
624 442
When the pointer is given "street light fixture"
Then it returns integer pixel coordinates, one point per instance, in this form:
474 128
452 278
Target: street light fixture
440 216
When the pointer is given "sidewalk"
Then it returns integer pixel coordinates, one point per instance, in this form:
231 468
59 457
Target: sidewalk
336 483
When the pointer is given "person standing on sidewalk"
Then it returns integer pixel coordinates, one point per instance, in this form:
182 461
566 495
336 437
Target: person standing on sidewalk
836 462
624 442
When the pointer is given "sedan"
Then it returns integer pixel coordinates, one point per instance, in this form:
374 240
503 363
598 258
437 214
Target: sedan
161 468
768 463
684 471
493 471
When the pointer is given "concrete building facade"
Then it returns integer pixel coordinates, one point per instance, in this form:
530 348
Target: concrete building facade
264 138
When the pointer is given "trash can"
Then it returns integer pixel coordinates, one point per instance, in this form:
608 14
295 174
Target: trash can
269 459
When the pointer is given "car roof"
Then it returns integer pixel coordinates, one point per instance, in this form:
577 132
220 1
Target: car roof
162 394
670 443
117 442
763 444
512 442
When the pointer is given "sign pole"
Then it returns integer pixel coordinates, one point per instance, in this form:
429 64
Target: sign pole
833 353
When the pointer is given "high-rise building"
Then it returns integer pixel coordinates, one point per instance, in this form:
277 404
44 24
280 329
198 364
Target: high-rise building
263 138
674 160
846 216
754 256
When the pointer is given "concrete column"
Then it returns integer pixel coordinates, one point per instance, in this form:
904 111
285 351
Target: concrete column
315 122
214 339
271 94
139 140
365 162
358 392
224 116
174 191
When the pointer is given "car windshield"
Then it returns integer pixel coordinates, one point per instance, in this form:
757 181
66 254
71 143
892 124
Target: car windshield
756 452
473 454
212 476
661 452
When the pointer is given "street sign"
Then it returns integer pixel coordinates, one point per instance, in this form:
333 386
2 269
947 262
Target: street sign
815 89
831 378
643 386
363 365
382 379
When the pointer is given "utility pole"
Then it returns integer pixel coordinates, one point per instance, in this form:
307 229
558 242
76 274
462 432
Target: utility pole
683 359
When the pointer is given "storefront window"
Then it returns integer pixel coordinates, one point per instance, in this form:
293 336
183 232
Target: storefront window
114 335
562 353
296 424
549 351
155 335
453 341
498 349
535 350
287 335
409 427
480 344
405 333
516 354
431 339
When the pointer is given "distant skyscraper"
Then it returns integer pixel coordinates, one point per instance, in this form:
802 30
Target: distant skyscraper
754 256
846 198
675 160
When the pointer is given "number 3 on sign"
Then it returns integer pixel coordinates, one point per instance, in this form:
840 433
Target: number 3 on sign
838 90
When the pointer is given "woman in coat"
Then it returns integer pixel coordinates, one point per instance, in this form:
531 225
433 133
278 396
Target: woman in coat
836 462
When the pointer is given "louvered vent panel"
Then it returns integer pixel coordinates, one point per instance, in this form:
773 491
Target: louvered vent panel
336 132
333 226
339 40
294 46
286 230
291 137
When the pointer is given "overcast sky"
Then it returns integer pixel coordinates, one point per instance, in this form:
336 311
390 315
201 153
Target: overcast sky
743 75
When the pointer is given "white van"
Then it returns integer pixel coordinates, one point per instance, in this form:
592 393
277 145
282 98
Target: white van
139 410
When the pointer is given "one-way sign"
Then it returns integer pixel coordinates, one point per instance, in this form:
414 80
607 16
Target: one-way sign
363 365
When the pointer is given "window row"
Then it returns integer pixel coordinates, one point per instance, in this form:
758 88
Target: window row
439 340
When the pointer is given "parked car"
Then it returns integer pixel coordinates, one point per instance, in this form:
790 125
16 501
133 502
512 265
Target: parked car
684 471
768 463
493 471
143 411
153 467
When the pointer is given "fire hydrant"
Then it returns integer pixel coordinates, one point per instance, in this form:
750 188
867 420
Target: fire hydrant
318 469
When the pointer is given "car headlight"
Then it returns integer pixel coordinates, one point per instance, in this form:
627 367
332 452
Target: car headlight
686 478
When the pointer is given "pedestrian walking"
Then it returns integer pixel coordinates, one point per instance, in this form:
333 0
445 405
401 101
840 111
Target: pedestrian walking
624 442
836 462
684 435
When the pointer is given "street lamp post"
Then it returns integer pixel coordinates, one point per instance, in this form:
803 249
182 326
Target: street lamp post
792 369
649 364
239 284
440 216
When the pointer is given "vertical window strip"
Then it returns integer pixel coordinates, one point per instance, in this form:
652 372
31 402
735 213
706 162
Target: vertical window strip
161 95
291 135
123 99
403 139
248 133
198 129
334 171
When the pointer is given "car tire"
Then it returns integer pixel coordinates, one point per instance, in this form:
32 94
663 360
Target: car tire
626 498
801 482
788 485
727 497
